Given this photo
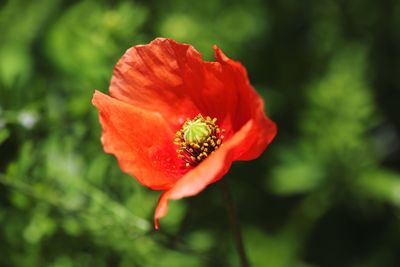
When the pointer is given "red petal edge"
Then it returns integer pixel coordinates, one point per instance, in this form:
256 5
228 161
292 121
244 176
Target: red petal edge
264 129
146 150
209 171
143 150
246 144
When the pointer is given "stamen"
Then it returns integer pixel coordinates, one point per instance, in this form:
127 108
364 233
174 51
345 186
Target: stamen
197 139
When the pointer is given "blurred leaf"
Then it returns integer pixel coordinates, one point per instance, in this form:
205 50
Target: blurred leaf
18 35
39 226
383 185
334 129
299 173
4 134
87 40
228 28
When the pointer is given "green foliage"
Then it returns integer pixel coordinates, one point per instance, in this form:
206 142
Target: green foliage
326 192
206 23
333 130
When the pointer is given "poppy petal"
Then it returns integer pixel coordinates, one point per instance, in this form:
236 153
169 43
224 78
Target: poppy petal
261 134
174 80
154 88
140 140
150 76
210 170
264 130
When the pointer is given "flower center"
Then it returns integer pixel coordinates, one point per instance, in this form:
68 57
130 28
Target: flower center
197 139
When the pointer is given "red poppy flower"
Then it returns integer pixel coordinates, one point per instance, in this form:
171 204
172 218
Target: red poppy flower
176 122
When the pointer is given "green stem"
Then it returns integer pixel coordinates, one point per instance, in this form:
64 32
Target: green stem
234 223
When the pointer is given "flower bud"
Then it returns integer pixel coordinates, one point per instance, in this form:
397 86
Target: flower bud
196 131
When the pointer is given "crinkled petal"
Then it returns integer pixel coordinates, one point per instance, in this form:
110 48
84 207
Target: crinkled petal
210 170
141 140
159 85
250 107
174 80
149 76
250 132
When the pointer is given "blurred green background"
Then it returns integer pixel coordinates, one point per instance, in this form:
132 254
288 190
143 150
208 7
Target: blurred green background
325 193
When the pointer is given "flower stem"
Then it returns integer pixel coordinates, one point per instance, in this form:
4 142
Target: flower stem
234 223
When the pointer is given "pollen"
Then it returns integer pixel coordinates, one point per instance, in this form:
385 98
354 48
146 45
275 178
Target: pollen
197 139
